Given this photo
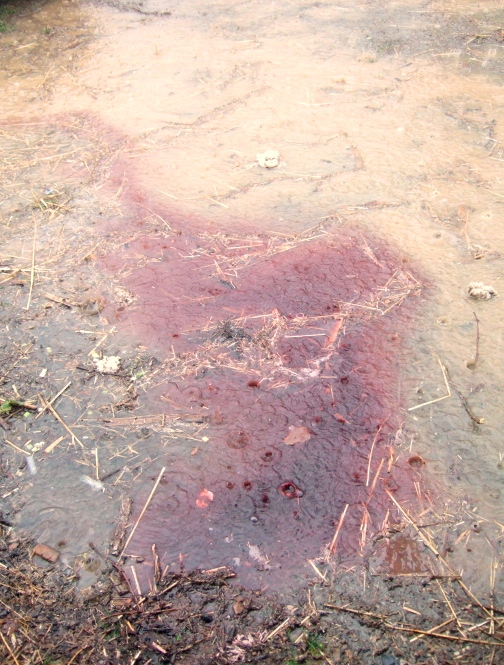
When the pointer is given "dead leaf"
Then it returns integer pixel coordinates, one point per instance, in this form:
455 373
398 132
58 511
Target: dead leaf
298 435
238 605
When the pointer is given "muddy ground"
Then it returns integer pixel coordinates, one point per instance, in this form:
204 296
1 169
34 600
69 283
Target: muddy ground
247 413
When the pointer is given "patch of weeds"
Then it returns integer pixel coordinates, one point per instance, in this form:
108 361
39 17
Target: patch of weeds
47 31
314 644
5 13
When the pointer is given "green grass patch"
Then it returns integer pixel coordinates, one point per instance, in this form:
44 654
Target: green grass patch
5 13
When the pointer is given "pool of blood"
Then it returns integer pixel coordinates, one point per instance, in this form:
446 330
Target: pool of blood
254 330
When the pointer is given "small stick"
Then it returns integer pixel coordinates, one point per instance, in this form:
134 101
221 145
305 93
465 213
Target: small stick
32 275
375 480
54 399
53 445
97 468
133 572
447 601
104 337
79 651
331 338
453 638
465 404
474 363
338 529
279 628
58 417
319 573
143 511
371 453
352 611
157 568
433 630
438 399
20 450
9 649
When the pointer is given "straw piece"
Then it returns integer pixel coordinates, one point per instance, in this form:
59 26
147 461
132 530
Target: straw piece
20 450
32 274
332 547
143 511
438 399
53 399
58 417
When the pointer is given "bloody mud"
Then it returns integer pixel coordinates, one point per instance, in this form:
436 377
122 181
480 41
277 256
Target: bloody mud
270 340
272 349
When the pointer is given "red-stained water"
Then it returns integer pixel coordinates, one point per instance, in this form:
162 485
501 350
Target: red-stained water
256 352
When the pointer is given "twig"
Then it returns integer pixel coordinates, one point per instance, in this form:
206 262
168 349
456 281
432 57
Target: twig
371 452
332 547
278 628
9 649
20 450
319 573
359 612
467 408
438 399
472 364
58 417
105 335
53 399
32 275
133 572
143 511
434 629
79 651
53 445
453 638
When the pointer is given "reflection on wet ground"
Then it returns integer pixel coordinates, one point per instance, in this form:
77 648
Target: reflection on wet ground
387 121
291 368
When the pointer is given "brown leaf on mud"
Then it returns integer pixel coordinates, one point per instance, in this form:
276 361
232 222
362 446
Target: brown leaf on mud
238 605
298 435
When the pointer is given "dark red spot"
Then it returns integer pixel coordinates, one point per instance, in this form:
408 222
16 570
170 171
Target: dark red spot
290 490
237 440
416 462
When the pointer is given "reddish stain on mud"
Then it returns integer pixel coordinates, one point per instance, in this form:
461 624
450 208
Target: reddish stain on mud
255 346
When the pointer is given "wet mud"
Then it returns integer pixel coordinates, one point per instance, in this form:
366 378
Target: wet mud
290 361
292 340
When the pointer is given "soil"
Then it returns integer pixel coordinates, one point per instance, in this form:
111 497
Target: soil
250 414
199 617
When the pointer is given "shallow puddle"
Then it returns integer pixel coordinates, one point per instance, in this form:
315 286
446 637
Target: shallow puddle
305 318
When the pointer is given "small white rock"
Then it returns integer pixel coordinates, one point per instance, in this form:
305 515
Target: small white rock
480 291
268 159
107 364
